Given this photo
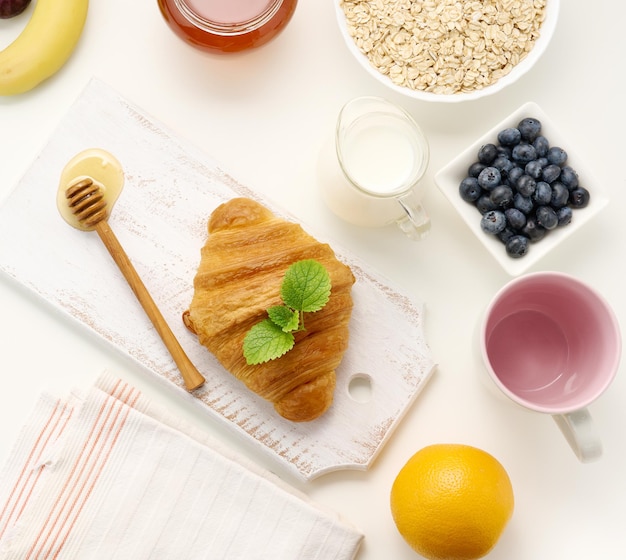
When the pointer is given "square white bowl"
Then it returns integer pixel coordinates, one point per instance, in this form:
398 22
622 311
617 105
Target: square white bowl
450 176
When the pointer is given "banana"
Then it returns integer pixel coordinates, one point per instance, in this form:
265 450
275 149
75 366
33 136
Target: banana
44 45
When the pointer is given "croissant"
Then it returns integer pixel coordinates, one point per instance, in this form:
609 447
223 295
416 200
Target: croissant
241 269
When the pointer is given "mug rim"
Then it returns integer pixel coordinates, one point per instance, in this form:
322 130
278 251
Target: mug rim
612 320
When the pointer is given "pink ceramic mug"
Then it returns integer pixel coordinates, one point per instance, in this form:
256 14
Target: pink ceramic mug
552 344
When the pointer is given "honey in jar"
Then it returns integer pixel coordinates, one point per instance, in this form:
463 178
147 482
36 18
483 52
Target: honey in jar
223 26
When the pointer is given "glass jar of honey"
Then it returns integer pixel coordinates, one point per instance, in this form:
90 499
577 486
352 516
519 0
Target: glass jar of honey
223 26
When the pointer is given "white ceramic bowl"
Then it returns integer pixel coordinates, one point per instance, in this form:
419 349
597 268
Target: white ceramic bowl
547 30
450 176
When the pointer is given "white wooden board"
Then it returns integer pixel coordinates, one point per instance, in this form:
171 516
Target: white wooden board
160 219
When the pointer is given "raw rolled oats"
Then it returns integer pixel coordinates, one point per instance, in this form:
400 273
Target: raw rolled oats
444 46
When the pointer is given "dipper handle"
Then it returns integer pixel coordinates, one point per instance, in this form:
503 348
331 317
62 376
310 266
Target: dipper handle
191 376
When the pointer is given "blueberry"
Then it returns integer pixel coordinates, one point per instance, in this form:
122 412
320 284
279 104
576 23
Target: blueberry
526 185
513 175
484 204
509 136
523 153
529 129
506 234
524 204
493 222
534 231
546 217
543 193
557 155
533 168
550 173
579 197
504 150
560 195
522 187
517 246
541 146
475 169
469 189
487 153
564 215
515 218
502 196
569 177
489 178
503 163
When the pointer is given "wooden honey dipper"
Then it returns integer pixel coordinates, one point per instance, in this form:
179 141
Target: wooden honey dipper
87 203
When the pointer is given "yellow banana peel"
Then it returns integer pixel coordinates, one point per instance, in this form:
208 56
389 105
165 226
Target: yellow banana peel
44 45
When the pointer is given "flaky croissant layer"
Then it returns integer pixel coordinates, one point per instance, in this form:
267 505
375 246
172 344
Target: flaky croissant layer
241 269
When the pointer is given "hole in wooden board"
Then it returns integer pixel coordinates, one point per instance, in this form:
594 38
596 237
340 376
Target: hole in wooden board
360 388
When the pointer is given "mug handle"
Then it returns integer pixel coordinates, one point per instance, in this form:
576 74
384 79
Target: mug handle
579 431
415 222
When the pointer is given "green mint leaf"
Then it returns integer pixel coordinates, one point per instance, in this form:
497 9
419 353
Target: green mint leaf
266 341
285 318
306 286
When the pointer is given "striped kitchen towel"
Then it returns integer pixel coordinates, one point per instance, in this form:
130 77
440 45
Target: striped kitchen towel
109 475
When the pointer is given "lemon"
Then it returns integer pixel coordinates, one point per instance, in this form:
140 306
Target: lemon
452 502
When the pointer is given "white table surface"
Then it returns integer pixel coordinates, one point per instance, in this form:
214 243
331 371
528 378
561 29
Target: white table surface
264 115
